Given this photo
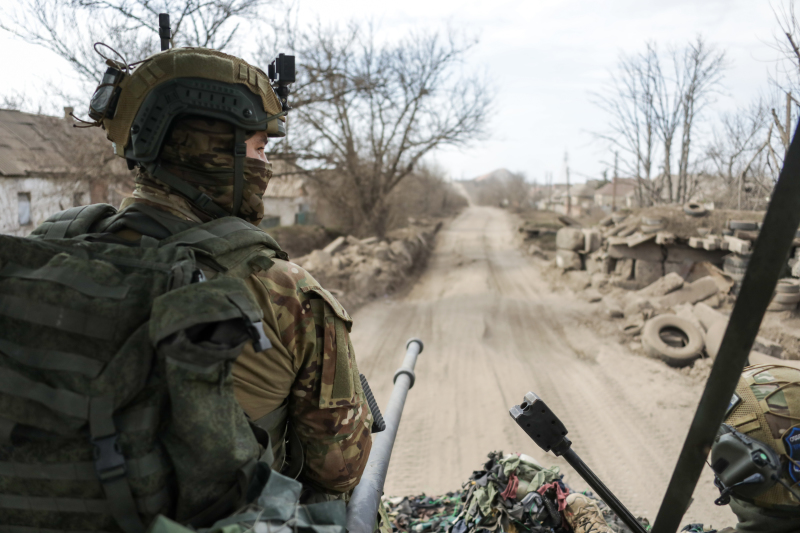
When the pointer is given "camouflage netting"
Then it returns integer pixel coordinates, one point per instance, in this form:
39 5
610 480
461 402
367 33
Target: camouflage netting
511 493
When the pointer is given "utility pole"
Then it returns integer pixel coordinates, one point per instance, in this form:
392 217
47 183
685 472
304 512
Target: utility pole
614 183
569 199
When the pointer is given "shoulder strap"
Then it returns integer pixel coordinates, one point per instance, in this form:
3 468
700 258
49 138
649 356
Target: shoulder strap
73 222
222 236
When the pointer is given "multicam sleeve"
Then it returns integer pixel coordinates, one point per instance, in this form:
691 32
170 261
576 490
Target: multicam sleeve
326 404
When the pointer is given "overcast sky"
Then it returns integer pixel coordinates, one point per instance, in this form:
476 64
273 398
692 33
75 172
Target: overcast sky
543 57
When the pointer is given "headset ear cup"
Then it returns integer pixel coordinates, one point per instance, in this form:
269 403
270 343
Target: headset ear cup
742 466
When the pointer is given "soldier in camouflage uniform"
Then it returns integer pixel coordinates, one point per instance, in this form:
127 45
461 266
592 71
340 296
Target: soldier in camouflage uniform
766 408
304 390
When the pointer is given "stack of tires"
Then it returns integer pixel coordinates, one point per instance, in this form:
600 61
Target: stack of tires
786 297
735 265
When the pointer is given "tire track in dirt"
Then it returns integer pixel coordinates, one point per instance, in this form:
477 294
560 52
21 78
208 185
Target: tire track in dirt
493 330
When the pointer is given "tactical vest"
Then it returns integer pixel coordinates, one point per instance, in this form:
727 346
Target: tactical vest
116 394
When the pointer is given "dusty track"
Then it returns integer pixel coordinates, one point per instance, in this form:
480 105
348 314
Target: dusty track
493 330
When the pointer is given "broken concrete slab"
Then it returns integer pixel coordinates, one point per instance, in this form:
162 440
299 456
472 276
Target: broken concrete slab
664 238
680 253
639 238
737 246
624 268
663 286
646 252
570 238
592 240
647 272
682 269
689 293
716 332
706 315
637 306
335 245
567 259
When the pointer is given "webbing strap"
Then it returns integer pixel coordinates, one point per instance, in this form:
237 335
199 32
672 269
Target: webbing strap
274 419
60 400
73 279
52 359
239 153
147 505
150 464
59 228
203 233
57 317
203 201
110 466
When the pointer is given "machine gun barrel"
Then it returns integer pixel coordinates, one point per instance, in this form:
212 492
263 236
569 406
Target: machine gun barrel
362 510
549 433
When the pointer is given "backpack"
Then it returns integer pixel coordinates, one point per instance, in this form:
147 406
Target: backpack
116 394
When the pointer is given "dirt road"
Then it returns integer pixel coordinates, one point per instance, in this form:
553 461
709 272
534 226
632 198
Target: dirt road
493 330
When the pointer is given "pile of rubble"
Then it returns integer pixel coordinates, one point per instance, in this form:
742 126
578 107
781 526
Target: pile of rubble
665 271
676 321
357 270
511 492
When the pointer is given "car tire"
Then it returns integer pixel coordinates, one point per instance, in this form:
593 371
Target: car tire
677 356
787 286
786 298
694 209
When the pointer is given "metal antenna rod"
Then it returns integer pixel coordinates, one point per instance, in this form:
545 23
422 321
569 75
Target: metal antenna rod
164 30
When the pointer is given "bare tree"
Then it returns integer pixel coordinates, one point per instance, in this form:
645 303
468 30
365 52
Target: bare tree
629 101
366 114
739 153
668 105
71 27
703 67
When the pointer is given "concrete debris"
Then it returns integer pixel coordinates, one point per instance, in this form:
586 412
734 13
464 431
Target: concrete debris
690 293
669 260
568 260
647 272
570 238
361 269
665 285
337 244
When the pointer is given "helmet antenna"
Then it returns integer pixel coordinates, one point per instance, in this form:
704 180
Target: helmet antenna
163 30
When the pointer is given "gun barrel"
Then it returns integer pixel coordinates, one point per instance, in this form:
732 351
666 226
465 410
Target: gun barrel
362 510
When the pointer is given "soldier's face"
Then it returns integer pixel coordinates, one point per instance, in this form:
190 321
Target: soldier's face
256 145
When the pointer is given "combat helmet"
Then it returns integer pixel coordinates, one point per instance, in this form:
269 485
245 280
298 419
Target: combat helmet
137 104
756 456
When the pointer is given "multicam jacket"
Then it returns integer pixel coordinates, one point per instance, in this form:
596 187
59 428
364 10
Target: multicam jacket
313 365
309 375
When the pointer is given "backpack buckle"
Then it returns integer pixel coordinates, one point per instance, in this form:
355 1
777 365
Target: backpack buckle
109 463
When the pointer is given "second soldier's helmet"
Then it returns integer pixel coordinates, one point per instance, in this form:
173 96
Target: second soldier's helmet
137 105
756 456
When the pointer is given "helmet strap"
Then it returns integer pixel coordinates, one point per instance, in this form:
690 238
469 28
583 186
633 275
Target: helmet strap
199 199
239 153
